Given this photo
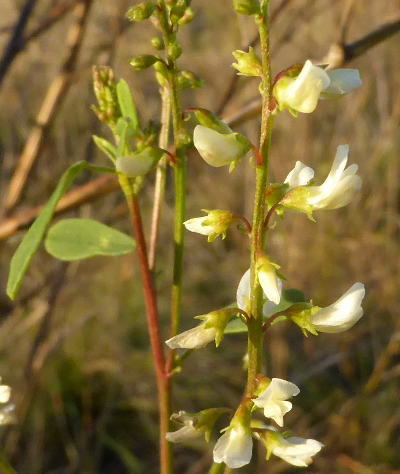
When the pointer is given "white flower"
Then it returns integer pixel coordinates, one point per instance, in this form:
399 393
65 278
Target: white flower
216 223
5 393
194 338
301 93
339 188
274 399
7 409
219 149
188 430
342 314
234 447
213 327
300 175
296 451
243 295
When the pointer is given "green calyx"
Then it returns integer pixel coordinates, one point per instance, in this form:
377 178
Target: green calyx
248 64
217 320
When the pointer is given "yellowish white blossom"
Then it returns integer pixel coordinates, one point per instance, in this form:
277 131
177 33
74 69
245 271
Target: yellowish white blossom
274 399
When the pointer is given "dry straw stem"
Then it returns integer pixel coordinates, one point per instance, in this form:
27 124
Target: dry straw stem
15 40
56 13
50 107
105 185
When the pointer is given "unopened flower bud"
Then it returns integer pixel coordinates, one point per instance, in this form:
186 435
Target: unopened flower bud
174 51
141 11
157 43
220 149
246 7
143 62
267 277
187 17
189 80
248 64
212 328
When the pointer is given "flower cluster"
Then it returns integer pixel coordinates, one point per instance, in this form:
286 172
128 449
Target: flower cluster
297 89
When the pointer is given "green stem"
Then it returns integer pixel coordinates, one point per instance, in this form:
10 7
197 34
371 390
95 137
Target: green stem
255 329
5 467
159 187
218 468
180 179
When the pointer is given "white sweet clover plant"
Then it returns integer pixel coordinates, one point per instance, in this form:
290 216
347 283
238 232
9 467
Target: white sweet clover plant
259 296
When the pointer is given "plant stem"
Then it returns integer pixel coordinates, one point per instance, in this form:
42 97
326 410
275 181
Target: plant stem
217 468
179 177
163 382
159 186
255 327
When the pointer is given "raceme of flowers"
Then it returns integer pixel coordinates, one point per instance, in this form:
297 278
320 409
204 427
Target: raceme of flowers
297 89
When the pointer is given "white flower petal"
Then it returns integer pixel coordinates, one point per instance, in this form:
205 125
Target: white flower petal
335 174
300 175
243 292
274 399
270 284
216 149
342 82
186 433
342 314
5 393
196 225
194 338
234 448
297 451
303 94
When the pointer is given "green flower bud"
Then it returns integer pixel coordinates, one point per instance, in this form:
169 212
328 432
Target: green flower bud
174 51
189 80
157 43
161 73
141 11
187 17
248 64
143 62
246 7
107 110
177 12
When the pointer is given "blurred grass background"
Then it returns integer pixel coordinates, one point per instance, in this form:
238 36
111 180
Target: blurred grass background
86 401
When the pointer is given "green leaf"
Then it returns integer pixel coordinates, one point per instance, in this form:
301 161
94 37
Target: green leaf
77 239
108 148
31 242
126 103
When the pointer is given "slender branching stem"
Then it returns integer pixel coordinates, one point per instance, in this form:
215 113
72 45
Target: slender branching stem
159 187
255 326
163 381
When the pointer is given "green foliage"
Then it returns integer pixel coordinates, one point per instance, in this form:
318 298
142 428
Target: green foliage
31 242
126 103
105 146
77 239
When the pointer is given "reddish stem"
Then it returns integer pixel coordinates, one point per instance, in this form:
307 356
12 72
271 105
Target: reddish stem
163 382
